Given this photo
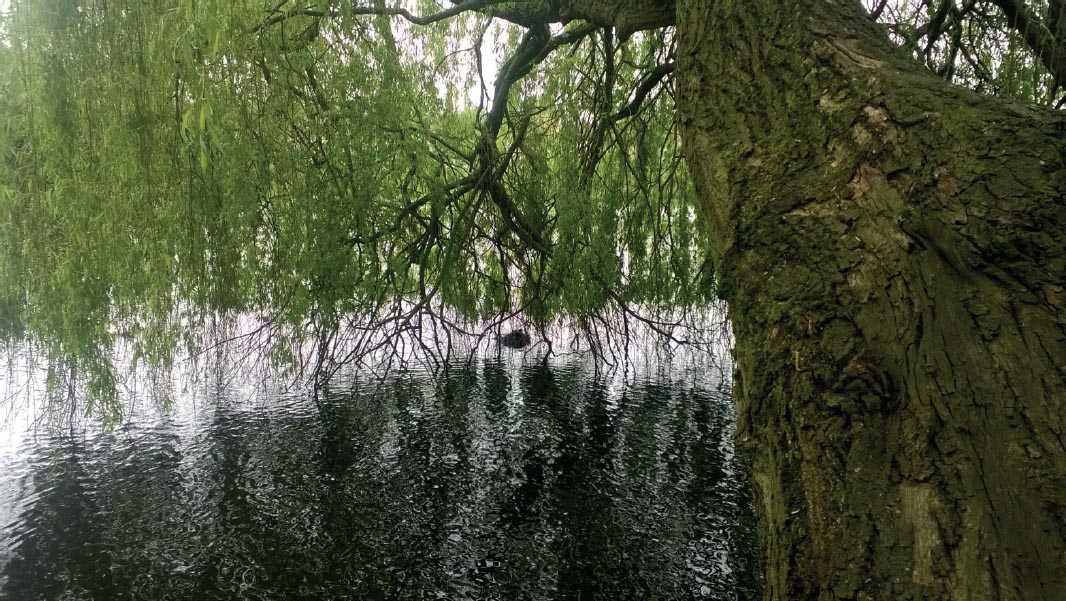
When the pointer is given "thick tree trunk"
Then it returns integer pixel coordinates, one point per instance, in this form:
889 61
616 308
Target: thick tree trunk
892 252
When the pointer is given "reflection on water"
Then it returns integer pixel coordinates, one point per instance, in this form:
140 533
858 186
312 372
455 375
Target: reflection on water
496 482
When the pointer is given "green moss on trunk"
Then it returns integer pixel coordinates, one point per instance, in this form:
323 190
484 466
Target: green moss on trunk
892 251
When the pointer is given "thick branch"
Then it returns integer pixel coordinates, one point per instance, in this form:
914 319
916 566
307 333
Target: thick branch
626 16
534 48
516 67
457 9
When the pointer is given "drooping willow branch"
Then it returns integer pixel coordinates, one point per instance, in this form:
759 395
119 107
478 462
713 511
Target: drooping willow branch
481 206
1050 49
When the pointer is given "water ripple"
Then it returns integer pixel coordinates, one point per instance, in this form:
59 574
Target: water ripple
501 481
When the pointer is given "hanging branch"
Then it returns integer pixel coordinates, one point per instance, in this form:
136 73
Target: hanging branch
1050 50
535 46
647 83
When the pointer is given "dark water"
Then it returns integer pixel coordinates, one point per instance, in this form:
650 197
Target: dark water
497 482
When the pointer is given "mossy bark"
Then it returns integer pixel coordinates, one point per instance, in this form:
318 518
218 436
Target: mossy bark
892 252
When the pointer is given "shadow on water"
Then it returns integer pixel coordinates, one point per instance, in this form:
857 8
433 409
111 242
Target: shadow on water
498 481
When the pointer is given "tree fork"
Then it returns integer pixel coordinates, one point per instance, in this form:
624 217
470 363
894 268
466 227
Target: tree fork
892 252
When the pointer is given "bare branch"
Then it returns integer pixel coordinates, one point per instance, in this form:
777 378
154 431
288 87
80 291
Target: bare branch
453 189
647 83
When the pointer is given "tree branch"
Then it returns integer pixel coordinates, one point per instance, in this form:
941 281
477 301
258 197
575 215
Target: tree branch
454 189
623 16
459 8
1050 51
646 85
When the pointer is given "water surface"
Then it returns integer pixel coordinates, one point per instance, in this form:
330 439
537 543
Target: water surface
501 481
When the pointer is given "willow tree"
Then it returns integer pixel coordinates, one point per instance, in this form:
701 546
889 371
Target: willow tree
891 247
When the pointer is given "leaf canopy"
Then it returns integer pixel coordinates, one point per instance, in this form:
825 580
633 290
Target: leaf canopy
352 173
164 161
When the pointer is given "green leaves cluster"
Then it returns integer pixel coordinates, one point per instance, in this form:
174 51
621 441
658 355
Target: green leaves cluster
167 160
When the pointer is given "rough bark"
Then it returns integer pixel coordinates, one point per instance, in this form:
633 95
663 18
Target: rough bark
892 252
626 16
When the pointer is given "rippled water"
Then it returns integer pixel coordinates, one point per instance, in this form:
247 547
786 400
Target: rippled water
504 481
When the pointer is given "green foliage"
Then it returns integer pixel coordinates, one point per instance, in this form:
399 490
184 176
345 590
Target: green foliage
164 161
339 176
974 44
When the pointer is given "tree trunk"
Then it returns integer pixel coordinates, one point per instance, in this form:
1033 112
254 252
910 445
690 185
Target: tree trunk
892 252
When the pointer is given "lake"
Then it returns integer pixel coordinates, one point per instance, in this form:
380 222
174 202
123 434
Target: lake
505 479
